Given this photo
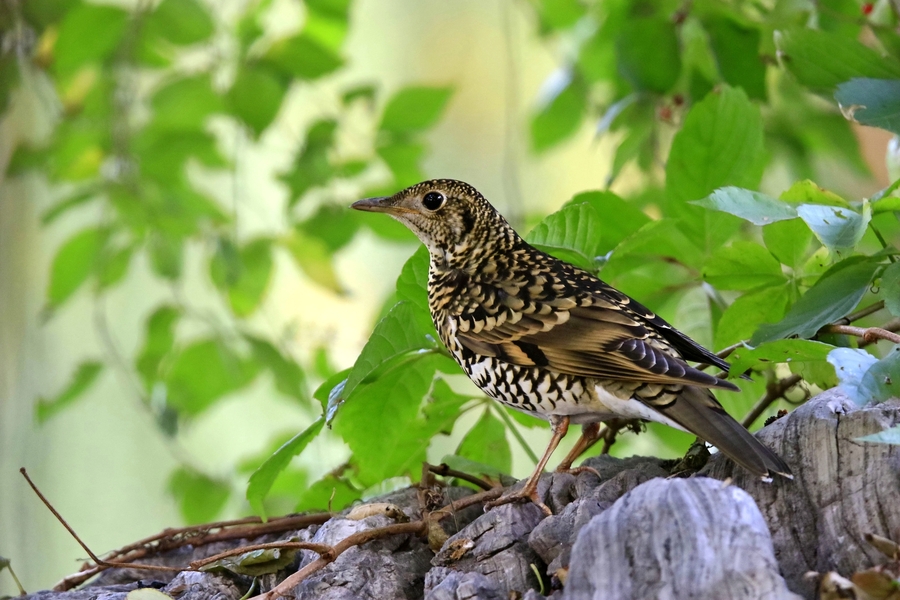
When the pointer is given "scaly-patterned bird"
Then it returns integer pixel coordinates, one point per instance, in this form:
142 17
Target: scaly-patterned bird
548 338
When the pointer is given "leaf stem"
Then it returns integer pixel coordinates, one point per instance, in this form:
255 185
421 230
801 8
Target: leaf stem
518 435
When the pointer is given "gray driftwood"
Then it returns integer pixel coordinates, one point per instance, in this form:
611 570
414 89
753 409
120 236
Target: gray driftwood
632 533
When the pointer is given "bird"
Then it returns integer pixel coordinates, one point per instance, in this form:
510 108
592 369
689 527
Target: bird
548 338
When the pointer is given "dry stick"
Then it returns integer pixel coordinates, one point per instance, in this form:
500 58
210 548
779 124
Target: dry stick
445 471
169 539
867 334
286 545
359 538
892 325
774 391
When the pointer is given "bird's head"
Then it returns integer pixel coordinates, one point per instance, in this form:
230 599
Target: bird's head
450 217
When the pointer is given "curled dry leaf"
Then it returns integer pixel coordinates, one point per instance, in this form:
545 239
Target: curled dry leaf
887 547
459 547
391 511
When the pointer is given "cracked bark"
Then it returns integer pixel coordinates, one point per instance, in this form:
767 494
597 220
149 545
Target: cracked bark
629 534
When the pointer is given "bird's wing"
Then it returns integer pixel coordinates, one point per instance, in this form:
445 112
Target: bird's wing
598 338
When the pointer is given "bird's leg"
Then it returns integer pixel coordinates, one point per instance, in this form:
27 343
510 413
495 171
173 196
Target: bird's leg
560 426
590 433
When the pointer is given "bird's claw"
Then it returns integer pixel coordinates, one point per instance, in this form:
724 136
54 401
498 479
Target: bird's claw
520 496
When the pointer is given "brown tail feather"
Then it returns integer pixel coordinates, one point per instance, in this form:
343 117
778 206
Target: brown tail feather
698 411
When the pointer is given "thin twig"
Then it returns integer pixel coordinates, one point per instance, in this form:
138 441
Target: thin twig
284 545
445 471
867 334
863 312
892 325
774 391
357 539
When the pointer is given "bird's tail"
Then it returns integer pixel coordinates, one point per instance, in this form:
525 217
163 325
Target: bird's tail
698 411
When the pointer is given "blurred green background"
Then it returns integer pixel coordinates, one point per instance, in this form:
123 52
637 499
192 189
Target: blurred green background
107 461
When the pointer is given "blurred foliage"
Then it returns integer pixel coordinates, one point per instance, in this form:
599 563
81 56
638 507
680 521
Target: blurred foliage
703 98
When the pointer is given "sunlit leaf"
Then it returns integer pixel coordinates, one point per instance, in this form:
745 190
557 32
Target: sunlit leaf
166 255
872 102
200 498
81 381
75 260
313 258
572 233
888 436
838 228
158 342
255 97
835 294
647 53
329 493
180 22
486 443
882 380
403 159
302 57
808 192
779 351
414 108
821 60
559 118
289 377
755 207
789 241
254 563
743 266
204 372
744 315
88 33
185 103
247 292
736 49
262 479
312 167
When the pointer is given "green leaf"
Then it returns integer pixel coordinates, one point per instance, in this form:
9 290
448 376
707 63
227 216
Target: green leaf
458 463
779 351
184 104
60 208
88 33
200 498
559 118
850 366
312 167
872 102
736 49
836 227
75 260
255 97
882 380
388 408
334 225
720 144
254 275
329 493
397 335
742 266
572 233
619 219
836 293
414 108
262 479
254 563
788 241
647 52
81 381
756 207
403 160
486 443
302 57
204 372
158 342
331 387
744 315
888 436
312 257
890 288
821 60
180 22
412 284
560 14
808 192
289 377
113 266
166 255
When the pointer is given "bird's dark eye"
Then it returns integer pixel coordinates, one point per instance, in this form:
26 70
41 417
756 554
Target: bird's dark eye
433 200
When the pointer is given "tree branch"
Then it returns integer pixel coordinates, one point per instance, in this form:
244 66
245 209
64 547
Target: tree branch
868 334
774 390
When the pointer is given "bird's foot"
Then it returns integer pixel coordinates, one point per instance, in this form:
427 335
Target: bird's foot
577 470
526 493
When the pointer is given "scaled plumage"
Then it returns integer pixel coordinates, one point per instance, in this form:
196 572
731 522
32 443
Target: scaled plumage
545 337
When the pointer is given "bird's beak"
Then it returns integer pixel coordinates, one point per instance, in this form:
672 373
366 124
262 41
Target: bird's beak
382 204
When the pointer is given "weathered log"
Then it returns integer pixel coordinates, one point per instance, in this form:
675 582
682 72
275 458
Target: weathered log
678 534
